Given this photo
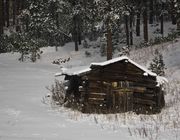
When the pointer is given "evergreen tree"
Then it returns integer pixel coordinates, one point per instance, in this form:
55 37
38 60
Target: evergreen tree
157 65
109 13
177 5
29 48
4 44
173 11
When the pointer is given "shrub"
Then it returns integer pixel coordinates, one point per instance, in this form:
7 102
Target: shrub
57 92
5 46
59 96
157 65
28 47
87 54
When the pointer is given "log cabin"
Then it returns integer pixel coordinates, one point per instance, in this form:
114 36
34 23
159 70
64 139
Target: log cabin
116 85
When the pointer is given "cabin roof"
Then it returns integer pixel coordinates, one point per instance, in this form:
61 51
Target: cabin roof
85 69
118 59
74 71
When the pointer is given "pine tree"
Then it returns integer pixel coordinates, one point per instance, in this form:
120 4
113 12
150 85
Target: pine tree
108 11
157 65
41 21
173 11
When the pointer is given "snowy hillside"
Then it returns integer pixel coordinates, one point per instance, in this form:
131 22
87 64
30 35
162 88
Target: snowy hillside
25 114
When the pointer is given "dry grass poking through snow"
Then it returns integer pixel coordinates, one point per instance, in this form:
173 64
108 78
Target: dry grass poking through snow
152 127
165 125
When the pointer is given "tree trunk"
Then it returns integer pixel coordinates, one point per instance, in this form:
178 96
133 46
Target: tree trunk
75 32
162 25
109 40
22 4
79 30
173 17
85 30
151 14
131 27
57 20
14 12
1 17
127 29
138 23
3 12
162 20
178 25
76 42
178 17
79 37
7 13
145 22
18 7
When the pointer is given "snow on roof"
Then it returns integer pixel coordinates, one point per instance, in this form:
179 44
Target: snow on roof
109 61
161 80
74 71
123 58
85 69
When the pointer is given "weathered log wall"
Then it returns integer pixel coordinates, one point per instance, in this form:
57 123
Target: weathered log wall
140 94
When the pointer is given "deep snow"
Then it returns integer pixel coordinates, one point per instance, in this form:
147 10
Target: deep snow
25 115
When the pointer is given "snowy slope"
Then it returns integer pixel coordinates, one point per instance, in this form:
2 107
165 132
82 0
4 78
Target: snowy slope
25 116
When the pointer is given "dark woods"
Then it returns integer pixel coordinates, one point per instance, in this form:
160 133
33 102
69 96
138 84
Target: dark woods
55 22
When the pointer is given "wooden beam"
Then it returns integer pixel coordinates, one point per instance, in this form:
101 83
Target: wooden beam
144 101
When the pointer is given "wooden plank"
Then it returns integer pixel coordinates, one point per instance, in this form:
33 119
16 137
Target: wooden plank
149 86
150 91
95 89
139 89
121 67
97 95
144 96
99 85
94 84
122 72
96 101
143 101
142 82
128 78
113 71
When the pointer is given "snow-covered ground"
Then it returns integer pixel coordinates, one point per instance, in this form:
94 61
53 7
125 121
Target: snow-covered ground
25 115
